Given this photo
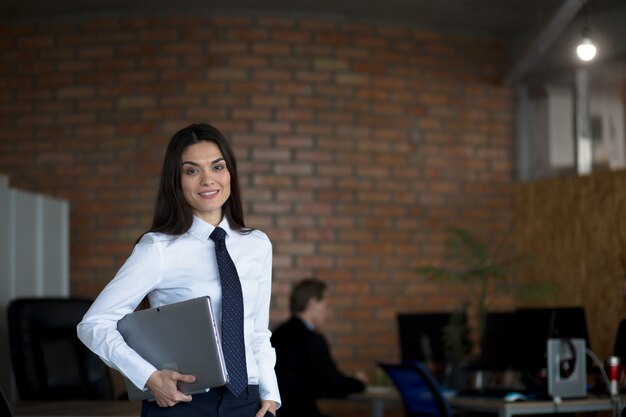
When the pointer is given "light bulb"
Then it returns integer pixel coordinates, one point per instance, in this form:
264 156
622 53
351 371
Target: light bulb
586 50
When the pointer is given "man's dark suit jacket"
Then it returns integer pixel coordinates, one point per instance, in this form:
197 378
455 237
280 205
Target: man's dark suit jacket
306 371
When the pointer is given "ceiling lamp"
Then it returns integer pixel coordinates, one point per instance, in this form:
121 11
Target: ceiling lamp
586 50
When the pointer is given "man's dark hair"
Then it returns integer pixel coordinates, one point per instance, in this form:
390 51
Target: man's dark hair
303 291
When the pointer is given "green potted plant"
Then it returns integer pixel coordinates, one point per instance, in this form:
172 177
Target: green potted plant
469 260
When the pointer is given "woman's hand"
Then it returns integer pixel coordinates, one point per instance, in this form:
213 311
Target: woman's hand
163 385
266 405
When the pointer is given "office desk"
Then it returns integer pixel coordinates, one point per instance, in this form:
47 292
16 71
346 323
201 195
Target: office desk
77 408
380 397
377 397
509 409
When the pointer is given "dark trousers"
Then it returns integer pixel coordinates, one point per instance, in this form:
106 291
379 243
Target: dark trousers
218 402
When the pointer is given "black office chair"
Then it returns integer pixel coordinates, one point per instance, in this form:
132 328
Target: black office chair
49 361
419 391
5 407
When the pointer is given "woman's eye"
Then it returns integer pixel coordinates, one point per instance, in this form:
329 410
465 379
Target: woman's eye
219 167
191 171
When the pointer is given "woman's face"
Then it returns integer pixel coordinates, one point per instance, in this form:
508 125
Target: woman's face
205 180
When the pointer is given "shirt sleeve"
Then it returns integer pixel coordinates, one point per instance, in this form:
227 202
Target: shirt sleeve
264 353
98 329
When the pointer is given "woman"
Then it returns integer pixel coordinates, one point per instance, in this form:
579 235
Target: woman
175 261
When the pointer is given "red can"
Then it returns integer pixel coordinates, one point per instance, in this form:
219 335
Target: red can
614 370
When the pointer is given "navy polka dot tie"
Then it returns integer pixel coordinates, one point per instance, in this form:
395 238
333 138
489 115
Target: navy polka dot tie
232 316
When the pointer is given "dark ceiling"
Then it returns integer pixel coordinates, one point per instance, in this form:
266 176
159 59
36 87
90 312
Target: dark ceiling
542 34
502 17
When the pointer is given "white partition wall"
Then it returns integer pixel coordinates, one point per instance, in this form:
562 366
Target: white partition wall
34 256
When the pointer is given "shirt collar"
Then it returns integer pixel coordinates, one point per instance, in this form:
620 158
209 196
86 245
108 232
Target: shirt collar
202 230
307 323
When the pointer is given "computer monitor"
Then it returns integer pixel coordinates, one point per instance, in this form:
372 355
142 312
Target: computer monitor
422 334
498 341
536 325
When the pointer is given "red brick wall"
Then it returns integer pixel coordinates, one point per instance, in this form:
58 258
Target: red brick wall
357 142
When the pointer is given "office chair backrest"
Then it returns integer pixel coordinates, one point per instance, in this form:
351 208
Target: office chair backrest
49 361
5 408
419 391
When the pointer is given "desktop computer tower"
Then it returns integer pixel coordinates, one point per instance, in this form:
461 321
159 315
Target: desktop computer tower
567 368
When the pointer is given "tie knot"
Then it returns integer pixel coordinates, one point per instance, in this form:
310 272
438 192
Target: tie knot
218 235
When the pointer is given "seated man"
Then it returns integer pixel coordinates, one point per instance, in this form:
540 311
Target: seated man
305 368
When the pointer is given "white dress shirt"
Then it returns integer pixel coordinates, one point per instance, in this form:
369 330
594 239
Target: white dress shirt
169 269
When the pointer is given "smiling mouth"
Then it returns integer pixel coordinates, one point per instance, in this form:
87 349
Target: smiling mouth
208 194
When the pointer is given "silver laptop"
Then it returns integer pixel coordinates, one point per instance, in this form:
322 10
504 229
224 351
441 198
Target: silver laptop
182 337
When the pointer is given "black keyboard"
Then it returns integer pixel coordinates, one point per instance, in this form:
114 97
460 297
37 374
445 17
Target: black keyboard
499 392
